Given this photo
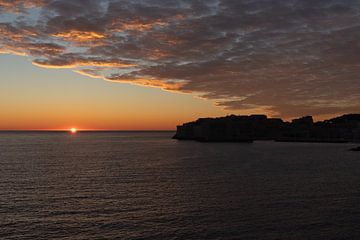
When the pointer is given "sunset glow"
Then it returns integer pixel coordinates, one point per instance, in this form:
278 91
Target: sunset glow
153 64
179 119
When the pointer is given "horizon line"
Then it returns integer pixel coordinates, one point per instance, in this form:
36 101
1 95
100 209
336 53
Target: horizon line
85 130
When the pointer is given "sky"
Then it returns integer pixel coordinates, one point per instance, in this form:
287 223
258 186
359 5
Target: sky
153 64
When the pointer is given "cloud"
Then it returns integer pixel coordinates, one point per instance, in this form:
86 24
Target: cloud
69 60
286 58
17 6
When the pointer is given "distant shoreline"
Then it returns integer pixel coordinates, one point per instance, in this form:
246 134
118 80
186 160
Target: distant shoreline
233 128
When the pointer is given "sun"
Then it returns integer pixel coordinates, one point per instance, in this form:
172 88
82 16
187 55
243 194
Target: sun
73 130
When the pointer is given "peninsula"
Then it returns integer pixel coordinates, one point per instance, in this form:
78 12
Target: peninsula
233 128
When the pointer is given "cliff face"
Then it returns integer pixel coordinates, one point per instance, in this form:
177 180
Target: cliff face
259 127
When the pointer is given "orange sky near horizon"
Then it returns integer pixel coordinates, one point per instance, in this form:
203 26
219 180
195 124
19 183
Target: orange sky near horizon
58 99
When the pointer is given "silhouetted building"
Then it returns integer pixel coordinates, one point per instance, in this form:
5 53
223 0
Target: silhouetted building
345 128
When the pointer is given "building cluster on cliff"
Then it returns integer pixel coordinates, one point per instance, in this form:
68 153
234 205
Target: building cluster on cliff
345 128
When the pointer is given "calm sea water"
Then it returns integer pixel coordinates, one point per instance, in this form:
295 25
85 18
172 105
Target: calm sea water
138 185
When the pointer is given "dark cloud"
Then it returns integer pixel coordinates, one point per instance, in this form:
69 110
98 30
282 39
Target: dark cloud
287 58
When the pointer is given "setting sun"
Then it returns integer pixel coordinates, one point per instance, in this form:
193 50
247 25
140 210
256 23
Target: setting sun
73 130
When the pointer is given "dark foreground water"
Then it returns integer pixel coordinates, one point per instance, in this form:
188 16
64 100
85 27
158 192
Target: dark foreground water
148 186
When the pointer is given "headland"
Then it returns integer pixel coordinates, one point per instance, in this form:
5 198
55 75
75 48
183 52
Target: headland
234 128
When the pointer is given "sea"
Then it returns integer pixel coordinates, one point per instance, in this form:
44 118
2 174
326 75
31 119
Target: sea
146 185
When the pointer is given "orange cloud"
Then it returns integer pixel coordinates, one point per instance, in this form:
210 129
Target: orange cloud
45 65
9 32
17 5
148 82
74 63
18 52
170 86
79 36
157 54
90 73
138 26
